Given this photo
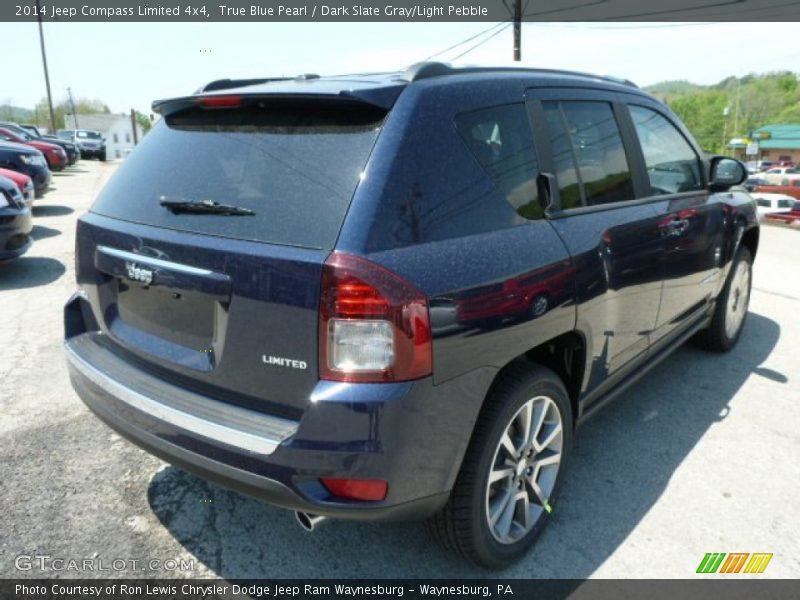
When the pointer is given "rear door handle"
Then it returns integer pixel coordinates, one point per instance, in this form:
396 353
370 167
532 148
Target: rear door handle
675 227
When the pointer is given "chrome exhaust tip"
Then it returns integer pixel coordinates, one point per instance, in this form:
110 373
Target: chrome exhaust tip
308 521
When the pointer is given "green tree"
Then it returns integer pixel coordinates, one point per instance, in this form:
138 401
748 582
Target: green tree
143 121
83 106
754 101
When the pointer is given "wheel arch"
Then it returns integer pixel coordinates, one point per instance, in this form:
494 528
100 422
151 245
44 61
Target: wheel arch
750 239
564 354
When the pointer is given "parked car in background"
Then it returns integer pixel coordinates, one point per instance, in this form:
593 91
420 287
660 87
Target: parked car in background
69 147
15 221
759 166
54 154
791 216
751 183
792 188
28 160
23 182
91 144
780 175
258 312
769 203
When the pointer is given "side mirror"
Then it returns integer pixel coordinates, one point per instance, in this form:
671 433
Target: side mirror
726 172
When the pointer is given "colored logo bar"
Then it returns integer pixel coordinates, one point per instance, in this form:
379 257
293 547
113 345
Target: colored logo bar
734 562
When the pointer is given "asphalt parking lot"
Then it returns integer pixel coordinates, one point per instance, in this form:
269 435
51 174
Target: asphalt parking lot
703 455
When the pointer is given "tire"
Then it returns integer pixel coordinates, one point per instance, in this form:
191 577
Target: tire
463 525
730 311
102 157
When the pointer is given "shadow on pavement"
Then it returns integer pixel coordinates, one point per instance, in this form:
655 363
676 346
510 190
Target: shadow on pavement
622 462
29 271
51 210
40 232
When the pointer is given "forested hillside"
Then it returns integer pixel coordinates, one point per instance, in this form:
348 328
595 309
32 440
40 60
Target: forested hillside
752 101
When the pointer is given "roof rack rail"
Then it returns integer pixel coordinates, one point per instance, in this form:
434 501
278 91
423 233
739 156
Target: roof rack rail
425 70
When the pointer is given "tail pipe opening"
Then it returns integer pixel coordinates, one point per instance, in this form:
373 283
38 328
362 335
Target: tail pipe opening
308 521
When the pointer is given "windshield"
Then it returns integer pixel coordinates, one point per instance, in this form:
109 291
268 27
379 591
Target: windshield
91 135
295 167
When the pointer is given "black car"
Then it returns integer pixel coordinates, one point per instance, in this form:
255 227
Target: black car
751 183
31 132
28 160
394 296
15 221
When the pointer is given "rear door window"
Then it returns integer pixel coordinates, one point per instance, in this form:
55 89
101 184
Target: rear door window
589 156
295 165
672 165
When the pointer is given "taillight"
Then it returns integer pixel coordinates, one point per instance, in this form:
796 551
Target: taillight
219 101
373 325
357 489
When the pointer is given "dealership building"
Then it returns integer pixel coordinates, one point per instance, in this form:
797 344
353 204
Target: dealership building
771 142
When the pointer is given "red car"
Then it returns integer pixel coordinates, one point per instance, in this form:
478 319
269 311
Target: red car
23 182
55 155
790 217
793 189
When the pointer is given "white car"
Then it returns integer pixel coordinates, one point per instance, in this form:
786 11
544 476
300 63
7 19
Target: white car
770 203
781 175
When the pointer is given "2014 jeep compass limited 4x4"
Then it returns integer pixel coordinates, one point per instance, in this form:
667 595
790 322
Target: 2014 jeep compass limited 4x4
394 296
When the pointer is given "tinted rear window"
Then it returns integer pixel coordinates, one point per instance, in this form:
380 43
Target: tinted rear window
295 165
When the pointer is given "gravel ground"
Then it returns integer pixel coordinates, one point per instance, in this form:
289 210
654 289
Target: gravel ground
700 456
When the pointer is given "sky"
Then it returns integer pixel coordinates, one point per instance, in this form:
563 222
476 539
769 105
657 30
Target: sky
128 65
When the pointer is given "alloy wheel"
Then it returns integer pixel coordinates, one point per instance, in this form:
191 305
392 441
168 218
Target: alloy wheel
738 299
524 470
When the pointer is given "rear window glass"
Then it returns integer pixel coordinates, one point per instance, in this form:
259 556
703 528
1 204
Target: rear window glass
295 166
500 138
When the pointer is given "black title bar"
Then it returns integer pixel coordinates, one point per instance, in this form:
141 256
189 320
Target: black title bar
395 10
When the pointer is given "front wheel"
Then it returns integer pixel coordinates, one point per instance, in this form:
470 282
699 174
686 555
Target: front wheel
731 309
504 494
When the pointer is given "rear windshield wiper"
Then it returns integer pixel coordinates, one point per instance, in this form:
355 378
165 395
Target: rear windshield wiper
204 207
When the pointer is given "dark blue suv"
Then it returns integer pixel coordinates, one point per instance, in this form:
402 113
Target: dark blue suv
394 296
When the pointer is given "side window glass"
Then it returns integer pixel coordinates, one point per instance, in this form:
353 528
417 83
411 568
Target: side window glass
500 138
599 152
784 203
672 164
563 158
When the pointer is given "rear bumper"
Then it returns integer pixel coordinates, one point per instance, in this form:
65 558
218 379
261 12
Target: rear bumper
15 229
407 434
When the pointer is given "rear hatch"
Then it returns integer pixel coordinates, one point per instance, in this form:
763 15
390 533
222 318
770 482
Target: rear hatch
226 304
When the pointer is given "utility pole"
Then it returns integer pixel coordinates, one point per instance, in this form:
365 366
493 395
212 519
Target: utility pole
46 75
72 106
133 126
517 30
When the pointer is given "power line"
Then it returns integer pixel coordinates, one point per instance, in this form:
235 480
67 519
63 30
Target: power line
469 39
483 41
631 26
